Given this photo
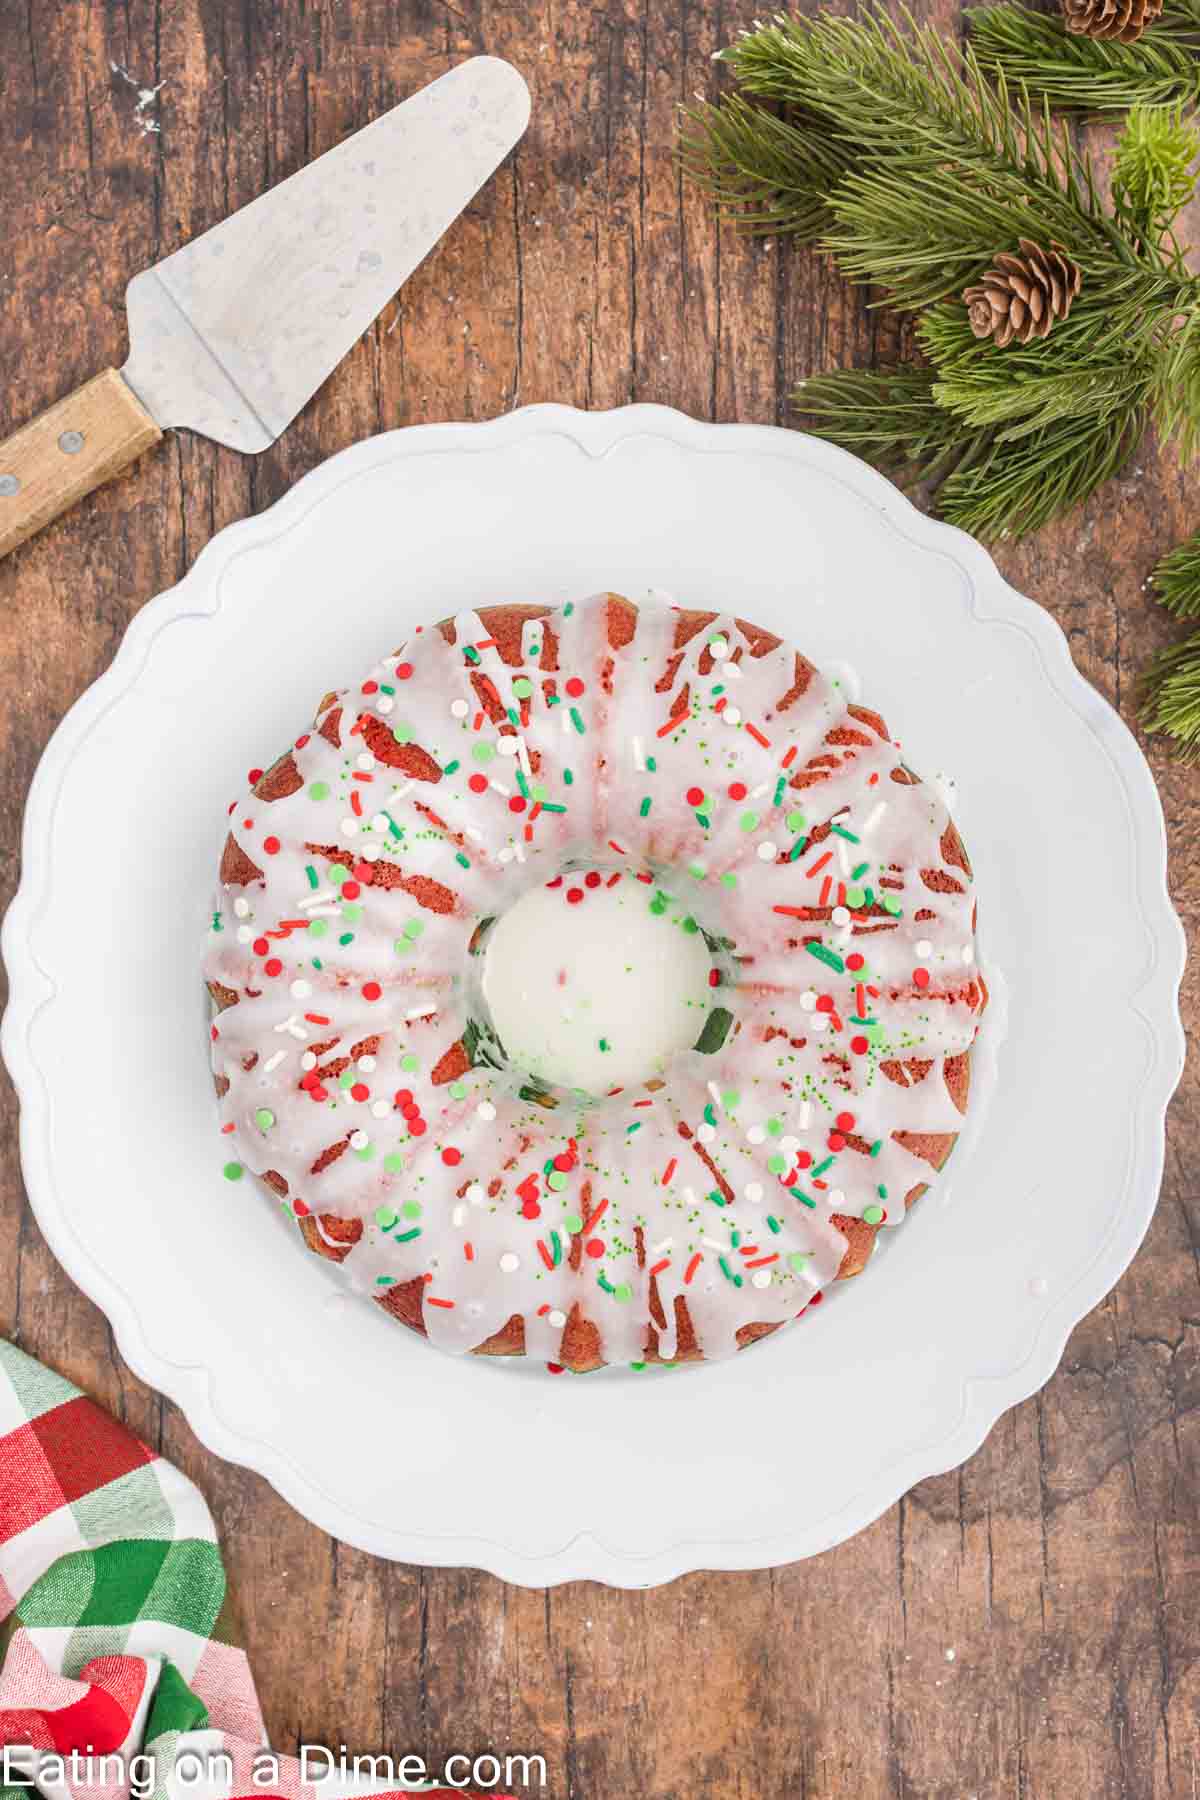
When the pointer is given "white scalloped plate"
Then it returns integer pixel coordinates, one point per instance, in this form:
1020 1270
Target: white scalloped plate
776 1454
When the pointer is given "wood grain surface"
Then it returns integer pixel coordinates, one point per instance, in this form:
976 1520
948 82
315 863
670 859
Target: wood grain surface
1026 1626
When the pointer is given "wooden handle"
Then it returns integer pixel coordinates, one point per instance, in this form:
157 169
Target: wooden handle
70 449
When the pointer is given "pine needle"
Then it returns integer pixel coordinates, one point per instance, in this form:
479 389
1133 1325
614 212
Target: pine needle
1176 580
914 168
1171 696
1034 51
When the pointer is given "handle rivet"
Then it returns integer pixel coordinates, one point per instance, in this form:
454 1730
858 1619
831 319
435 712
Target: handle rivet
71 443
9 485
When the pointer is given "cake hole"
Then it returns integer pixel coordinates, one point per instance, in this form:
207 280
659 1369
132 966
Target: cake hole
593 983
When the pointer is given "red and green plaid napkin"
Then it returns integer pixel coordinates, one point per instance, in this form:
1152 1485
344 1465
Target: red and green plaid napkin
115 1632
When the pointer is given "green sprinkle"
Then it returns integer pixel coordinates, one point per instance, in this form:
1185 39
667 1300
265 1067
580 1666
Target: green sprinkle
729 879
777 1164
568 777
716 1030
393 1162
337 874
798 848
857 874
318 790
749 821
352 912
891 904
604 1044
825 955
882 1192
264 1118
605 1283
798 1260
522 687
622 1292
645 806
872 1215
779 787
876 1147
460 858
577 721
402 733
233 1171
482 752
549 806
392 826
385 1218
471 653
630 1129
522 783
313 879
774 1224
556 1180
690 926
406 1237
795 821
216 922
572 1222
451 767
385 1281
821 1167
730 1099
411 1209
556 1247
347 937
775 1127
728 1272
703 820
802 1198
409 1063
716 1197
652 764
317 928
855 897
848 835
458 1090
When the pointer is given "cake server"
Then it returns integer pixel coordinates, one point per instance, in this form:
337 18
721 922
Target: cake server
231 335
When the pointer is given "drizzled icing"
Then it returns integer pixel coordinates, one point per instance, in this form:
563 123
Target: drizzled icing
749 797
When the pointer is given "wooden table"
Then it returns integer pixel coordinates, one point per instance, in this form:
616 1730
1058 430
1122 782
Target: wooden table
1027 1626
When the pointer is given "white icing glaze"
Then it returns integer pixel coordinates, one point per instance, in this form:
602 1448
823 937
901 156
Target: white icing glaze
730 1169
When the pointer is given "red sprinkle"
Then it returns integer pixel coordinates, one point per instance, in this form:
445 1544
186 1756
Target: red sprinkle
859 1046
350 890
575 687
836 1141
253 776
695 796
669 1171
574 895
478 784
432 1300
921 977
261 946
692 1267
518 803
403 671
737 790
854 961
273 966
595 1247
593 878
845 1121
403 1096
660 1266
371 990
272 846
360 1091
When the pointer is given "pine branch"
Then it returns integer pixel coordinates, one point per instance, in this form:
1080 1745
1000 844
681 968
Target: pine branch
1021 486
1034 52
766 173
891 419
1176 579
1171 696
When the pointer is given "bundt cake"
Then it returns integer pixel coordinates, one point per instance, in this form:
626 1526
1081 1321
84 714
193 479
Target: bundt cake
710 777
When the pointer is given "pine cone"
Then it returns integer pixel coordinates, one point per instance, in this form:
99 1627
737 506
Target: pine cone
1023 295
1124 20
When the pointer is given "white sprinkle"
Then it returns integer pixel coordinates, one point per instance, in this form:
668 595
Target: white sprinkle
422 1012
950 1655
763 788
835 1197
308 1061
273 1062
241 907
380 1109
498 787
719 647
732 715
365 761
968 953
321 898
523 756
761 1278
509 1262
767 851
459 708
486 1111
379 822
732 673
459 1216
300 990
805 1114
325 912
753 1192
366 1064
475 836
840 915
349 827
873 819
244 934
843 857
475 1194
505 854
789 1145
715 1093
400 792
923 948
639 757
371 852
757 1134
556 1318
658 1249
689 1195
507 744
359 1140
384 704
808 999
818 1023
705 1133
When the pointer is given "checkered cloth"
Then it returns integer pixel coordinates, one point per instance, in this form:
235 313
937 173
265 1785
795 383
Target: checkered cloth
115 1629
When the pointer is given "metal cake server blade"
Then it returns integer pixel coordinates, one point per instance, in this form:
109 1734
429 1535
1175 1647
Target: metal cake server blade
231 335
